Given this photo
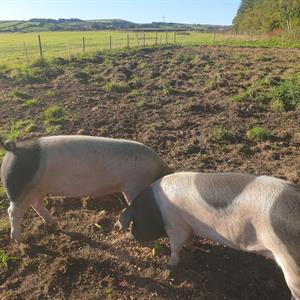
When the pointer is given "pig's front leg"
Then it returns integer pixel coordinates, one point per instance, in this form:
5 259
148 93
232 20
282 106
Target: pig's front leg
177 236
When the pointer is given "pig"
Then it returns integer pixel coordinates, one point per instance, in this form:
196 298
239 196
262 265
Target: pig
259 214
73 166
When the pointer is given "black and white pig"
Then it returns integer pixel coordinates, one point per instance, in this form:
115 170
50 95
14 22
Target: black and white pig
74 166
258 214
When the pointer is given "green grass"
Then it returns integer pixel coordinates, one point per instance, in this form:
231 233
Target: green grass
286 95
30 102
257 134
69 43
281 94
118 87
222 134
2 153
140 104
41 71
54 115
53 129
4 259
19 128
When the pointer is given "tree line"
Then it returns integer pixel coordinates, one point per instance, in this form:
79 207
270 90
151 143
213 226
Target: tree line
268 15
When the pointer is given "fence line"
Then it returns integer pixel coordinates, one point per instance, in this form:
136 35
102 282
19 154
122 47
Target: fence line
137 39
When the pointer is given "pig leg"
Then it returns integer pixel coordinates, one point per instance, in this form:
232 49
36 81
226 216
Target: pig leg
291 273
16 212
177 238
43 212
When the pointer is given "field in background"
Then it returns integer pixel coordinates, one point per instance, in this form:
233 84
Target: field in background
23 48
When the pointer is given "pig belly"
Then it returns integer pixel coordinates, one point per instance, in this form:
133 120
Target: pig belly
78 181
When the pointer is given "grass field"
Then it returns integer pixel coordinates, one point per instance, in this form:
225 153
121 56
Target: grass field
13 46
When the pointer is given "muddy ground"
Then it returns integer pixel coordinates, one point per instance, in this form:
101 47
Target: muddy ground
171 99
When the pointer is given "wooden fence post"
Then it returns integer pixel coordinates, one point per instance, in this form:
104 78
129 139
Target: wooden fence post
127 40
69 52
144 39
156 38
166 37
214 36
40 44
83 45
26 53
175 37
110 43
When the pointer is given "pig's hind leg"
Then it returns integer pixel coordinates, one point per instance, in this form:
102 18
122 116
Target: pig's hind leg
15 213
42 211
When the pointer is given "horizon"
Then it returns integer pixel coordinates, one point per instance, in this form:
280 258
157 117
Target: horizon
204 12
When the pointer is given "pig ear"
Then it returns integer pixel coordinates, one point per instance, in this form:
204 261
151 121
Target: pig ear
125 218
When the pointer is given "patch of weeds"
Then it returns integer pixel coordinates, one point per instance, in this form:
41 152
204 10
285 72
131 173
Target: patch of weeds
244 60
19 128
51 93
150 126
54 114
140 104
134 93
252 95
39 72
2 196
2 153
286 95
21 95
265 58
217 81
54 129
169 90
296 137
184 57
108 291
257 134
30 102
136 82
143 65
109 61
4 259
122 87
222 134
4 222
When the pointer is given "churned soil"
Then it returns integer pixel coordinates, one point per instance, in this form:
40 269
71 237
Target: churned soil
179 102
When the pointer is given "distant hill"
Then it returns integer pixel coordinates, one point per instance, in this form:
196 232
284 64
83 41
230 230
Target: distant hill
40 24
268 15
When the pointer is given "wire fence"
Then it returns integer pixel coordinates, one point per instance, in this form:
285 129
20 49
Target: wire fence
26 48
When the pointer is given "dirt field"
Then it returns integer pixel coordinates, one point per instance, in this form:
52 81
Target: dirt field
171 99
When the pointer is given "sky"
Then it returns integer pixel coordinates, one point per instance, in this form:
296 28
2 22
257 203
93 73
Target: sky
218 12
